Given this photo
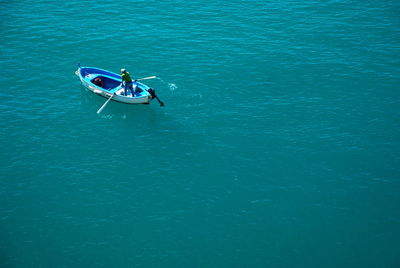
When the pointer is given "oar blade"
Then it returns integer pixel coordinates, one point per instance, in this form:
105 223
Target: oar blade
104 105
146 78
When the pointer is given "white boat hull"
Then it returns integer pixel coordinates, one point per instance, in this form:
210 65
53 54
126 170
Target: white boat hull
124 99
143 98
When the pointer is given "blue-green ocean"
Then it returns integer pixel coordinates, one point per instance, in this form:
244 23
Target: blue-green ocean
278 145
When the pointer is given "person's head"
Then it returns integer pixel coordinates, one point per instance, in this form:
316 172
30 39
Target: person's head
123 70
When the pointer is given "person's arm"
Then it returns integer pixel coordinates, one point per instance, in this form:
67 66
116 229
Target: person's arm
122 80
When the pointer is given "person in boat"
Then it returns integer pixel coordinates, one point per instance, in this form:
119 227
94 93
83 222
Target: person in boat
127 82
98 82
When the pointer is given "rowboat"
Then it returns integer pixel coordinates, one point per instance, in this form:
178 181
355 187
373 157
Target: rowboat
110 86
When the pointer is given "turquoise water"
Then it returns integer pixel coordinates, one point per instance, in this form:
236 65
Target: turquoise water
278 146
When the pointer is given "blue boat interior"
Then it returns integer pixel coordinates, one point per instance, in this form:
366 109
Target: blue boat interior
87 71
108 83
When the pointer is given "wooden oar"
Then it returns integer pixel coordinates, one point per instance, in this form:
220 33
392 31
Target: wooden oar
150 77
104 105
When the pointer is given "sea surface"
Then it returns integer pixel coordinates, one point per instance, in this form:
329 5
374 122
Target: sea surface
278 146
